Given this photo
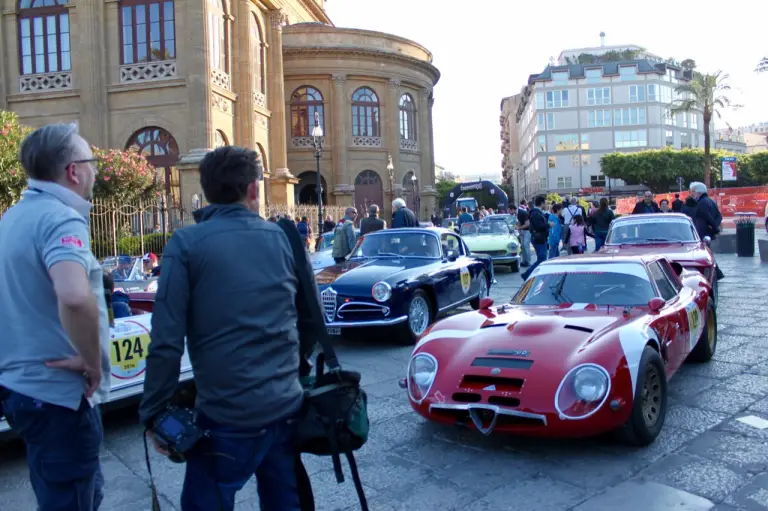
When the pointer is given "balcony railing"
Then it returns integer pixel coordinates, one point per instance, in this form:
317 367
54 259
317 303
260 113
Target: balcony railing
221 79
304 142
148 71
45 82
366 141
259 99
409 145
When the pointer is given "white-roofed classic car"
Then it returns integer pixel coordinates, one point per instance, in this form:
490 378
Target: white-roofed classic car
403 279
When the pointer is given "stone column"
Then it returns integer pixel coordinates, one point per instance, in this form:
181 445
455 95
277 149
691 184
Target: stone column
189 177
277 135
4 63
282 189
90 76
340 172
431 142
429 174
392 120
197 68
243 71
424 135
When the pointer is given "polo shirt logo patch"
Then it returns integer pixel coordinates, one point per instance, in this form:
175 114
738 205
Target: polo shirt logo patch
71 241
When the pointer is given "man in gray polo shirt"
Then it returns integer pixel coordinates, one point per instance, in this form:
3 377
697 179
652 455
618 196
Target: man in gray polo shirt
54 366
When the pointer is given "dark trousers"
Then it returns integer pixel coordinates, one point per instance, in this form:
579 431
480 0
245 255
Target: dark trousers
220 465
339 260
62 451
541 256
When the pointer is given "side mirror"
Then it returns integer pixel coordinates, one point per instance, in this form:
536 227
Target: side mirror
452 255
486 303
707 240
656 304
678 268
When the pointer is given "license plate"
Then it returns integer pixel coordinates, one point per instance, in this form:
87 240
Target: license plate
334 331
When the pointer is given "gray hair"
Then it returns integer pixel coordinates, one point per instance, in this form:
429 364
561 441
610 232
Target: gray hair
698 187
574 200
352 211
398 203
47 150
373 209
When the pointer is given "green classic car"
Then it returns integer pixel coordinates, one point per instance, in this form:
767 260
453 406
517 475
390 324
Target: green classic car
494 239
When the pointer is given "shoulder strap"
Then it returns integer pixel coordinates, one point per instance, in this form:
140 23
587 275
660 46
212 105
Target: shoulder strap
306 282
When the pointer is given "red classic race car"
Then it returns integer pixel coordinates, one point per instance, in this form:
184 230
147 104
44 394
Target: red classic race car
671 234
586 346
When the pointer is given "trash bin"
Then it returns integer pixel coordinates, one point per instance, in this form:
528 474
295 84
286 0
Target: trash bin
745 234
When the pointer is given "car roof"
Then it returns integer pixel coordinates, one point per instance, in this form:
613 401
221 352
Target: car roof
411 230
650 216
603 257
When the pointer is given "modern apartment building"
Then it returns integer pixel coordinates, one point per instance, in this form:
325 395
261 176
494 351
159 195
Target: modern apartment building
510 141
595 101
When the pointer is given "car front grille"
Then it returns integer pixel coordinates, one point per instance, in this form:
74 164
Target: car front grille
492 253
329 304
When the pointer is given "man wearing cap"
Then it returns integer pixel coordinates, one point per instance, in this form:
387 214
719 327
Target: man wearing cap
54 363
151 268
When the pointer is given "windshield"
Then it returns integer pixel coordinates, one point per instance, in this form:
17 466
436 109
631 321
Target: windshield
396 243
657 230
124 268
327 241
485 229
448 222
602 285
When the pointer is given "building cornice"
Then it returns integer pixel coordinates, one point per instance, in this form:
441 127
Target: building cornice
360 52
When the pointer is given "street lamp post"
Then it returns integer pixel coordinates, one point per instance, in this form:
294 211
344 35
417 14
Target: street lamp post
416 197
391 173
317 141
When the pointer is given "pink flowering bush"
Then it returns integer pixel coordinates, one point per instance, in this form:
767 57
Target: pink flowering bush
13 180
125 177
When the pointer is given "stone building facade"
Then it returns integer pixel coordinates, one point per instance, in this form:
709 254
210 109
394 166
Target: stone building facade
171 78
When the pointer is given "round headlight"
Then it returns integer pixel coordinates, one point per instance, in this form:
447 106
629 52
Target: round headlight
421 375
381 291
590 384
512 247
152 287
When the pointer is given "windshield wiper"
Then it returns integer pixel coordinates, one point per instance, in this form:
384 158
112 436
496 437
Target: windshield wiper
557 290
388 254
658 239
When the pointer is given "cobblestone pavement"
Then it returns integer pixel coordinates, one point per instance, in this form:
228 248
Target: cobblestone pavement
704 458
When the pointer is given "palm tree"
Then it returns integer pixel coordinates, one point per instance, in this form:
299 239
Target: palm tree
704 93
762 66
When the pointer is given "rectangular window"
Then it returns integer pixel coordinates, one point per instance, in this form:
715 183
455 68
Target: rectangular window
637 93
634 138
599 96
567 142
598 180
44 44
629 116
551 162
557 98
541 121
653 92
575 160
696 140
539 100
685 140
585 141
694 120
668 117
683 119
666 94
628 73
586 159
599 118
148 32
565 182
594 75
542 143
670 138
560 77
550 121
543 183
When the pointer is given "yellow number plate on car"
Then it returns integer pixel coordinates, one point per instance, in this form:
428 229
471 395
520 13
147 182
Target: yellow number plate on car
128 355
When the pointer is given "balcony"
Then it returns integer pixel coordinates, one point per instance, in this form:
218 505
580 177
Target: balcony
305 142
409 145
221 79
366 141
148 71
259 99
45 82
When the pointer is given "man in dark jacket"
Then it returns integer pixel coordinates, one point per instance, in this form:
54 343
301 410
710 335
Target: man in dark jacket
647 205
244 335
403 216
706 215
677 204
539 227
372 223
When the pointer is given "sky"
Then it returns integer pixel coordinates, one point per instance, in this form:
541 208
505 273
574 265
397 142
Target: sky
486 52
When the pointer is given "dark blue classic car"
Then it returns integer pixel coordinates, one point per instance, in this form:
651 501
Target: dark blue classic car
403 278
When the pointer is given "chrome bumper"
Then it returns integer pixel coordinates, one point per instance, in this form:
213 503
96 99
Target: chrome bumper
363 324
506 259
497 410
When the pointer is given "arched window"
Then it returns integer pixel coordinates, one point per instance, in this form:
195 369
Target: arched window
305 101
44 36
148 30
219 38
162 152
257 48
407 118
219 139
365 113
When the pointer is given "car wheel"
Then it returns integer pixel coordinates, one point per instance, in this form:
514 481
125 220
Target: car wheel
715 290
707 343
514 267
420 316
475 302
649 407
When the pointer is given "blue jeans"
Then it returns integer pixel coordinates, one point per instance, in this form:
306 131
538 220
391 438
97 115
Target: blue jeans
600 239
219 466
525 246
554 248
541 256
62 451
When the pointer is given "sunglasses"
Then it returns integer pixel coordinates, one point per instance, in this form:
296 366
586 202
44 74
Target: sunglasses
92 160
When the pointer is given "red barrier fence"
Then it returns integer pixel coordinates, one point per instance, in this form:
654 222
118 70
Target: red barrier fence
731 201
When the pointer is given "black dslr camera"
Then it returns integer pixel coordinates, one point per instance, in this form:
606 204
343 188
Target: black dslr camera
176 431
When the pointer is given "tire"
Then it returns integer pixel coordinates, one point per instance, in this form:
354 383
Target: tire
715 290
649 406
707 343
514 267
475 302
410 331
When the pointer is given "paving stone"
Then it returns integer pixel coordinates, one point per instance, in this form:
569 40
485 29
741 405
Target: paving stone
735 426
722 400
748 383
330 495
713 369
389 470
538 494
385 408
761 369
594 472
486 472
686 385
645 496
760 407
430 493
751 497
706 478
693 419
732 449
744 355
670 440
748 331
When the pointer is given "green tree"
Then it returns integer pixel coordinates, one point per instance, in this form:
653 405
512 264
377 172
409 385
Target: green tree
704 93
13 180
125 176
762 66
